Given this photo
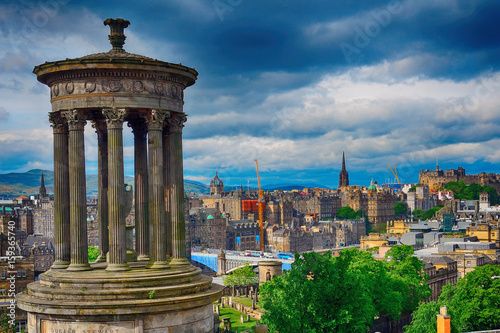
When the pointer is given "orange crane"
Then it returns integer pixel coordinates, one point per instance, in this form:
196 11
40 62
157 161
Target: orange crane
395 173
261 209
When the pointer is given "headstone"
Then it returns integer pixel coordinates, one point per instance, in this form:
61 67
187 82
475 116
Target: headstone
230 301
248 318
254 303
261 328
242 318
227 324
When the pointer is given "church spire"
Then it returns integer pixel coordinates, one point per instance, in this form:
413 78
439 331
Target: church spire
42 191
344 175
343 161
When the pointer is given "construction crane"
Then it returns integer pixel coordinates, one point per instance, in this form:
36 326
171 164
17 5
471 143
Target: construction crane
395 173
261 209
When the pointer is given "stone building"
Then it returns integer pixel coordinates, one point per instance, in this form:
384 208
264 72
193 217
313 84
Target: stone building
349 232
43 217
208 228
437 178
373 239
242 235
470 254
441 270
216 185
485 231
421 198
380 206
25 216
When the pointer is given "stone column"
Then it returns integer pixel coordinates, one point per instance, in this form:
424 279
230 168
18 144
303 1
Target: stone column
102 190
139 129
61 192
117 260
77 191
154 121
176 190
166 180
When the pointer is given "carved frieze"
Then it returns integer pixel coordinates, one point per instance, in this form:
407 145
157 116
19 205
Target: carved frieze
171 90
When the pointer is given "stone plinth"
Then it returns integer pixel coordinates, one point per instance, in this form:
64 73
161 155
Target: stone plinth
138 300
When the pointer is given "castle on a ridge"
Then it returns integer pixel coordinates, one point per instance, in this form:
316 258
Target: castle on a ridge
434 178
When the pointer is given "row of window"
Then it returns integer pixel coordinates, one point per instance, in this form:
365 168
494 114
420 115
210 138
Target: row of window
20 273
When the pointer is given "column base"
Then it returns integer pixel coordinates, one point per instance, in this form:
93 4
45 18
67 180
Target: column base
179 261
79 267
143 257
118 267
59 264
101 258
158 265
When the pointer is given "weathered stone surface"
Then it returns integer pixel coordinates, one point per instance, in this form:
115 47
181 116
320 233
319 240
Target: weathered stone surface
119 296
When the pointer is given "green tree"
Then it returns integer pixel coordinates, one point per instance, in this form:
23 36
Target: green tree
400 208
322 293
5 326
428 215
93 253
241 276
494 198
418 214
348 213
473 304
410 270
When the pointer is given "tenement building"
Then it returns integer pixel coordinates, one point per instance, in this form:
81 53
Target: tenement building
149 286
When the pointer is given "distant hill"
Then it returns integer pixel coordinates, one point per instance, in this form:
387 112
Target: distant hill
287 187
27 183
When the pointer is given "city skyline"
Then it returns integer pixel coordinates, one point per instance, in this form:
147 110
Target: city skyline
400 83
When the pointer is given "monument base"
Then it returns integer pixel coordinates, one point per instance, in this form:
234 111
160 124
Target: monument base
172 300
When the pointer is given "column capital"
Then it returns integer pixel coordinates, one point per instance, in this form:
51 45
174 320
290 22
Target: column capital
139 128
176 122
76 119
155 119
114 117
58 124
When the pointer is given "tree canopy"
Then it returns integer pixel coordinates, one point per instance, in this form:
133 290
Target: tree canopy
323 293
93 253
473 304
241 276
348 213
400 208
419 214
471 192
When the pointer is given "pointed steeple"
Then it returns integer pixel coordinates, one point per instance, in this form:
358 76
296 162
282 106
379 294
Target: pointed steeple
343 161
42 191
344 175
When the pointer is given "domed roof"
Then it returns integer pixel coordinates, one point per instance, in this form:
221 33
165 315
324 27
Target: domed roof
372 186
210 217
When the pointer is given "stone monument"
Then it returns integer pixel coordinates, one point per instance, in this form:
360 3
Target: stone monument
161 291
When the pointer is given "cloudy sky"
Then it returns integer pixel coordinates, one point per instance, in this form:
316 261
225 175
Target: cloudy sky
290 83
